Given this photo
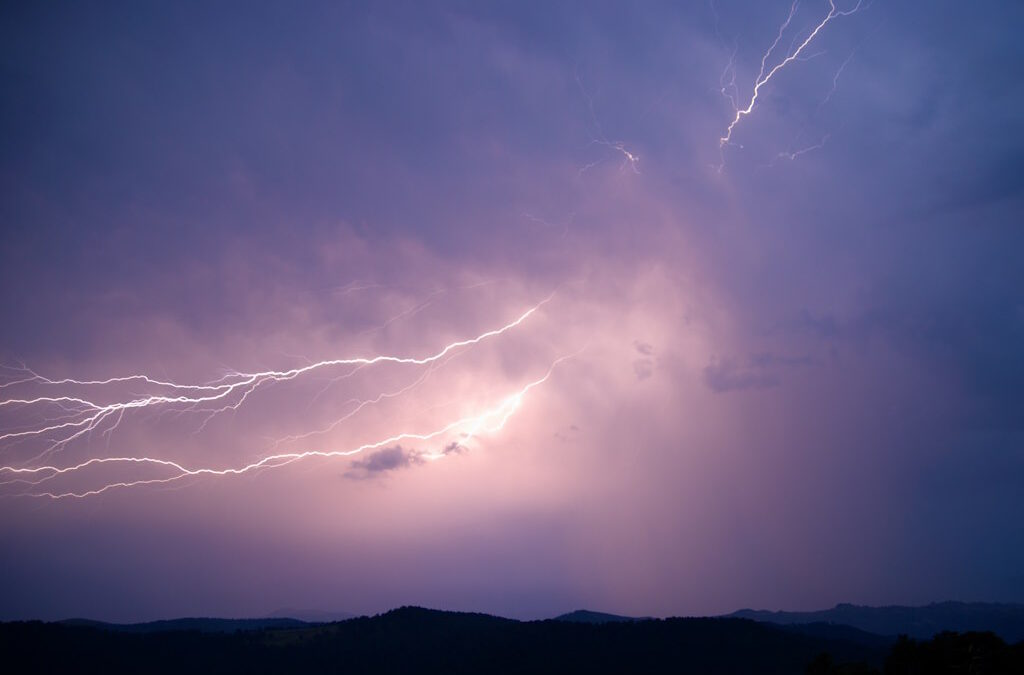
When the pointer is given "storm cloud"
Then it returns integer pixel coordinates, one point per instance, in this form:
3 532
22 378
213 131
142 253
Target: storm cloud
764 381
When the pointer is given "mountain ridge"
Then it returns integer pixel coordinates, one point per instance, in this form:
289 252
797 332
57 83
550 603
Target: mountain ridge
589 616
920 622
414 639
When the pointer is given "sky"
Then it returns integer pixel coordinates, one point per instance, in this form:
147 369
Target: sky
509 307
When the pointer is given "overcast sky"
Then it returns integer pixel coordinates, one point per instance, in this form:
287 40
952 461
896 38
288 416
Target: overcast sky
783 371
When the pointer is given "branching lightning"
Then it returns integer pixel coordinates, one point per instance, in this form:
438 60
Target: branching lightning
793 154
630 160
490 420
797 51
73 415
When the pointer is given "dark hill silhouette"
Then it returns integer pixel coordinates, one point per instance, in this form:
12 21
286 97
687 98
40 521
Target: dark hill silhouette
828 631
1005 620
413 639
948 652
587 616
426 641
836 631
311 615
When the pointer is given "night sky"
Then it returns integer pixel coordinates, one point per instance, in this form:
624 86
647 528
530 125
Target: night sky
781 371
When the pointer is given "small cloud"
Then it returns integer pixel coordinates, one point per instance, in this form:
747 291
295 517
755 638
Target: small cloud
768 359
397 457
725 376
644 348
643 368
387 459
453 448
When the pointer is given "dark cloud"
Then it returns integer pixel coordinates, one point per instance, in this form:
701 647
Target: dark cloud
725 376
762 371
965 328
643 367
768 359
384 460
644 348
453 448
395 457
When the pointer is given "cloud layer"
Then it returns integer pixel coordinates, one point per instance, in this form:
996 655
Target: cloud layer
793 381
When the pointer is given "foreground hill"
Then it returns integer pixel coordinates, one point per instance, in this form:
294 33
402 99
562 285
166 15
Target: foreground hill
1005 620
426 641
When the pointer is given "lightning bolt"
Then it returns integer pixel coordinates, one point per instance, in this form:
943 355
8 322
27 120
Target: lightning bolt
629 159
87 415
92 413
490 420
766 73
359 404
835 80
793 154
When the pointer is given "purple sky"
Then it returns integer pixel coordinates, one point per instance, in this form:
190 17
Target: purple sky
764 377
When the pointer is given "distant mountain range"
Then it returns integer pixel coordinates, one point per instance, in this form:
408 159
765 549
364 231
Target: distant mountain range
1005 620
279 619
412 639
854 623
311 615
871 625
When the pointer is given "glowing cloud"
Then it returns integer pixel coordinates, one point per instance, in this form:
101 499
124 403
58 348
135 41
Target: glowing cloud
80 416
